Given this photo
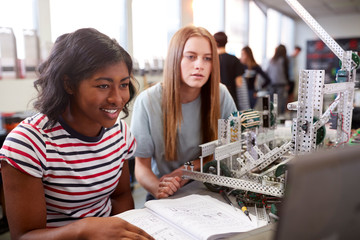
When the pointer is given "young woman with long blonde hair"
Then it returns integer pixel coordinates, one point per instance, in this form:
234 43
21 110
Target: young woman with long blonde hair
171 119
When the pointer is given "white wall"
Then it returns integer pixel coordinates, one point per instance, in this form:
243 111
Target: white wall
336 26
16 95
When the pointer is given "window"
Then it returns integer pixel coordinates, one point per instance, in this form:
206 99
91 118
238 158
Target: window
236 25
287 33
154 23
273 32
257 32
104 15
280 31
209 14
16 20
17 14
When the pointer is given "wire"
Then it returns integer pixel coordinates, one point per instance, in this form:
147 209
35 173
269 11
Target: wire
342 128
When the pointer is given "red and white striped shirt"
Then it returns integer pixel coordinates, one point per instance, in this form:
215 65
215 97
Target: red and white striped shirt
79 173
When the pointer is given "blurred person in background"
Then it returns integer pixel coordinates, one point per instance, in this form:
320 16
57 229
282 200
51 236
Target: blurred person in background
252 70
278 71
293 74
231 71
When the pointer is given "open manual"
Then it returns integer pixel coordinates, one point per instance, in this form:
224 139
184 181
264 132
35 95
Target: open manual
190 217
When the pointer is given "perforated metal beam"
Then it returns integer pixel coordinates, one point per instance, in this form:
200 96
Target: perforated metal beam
234 183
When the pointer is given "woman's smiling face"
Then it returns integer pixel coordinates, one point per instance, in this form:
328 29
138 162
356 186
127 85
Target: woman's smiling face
98 100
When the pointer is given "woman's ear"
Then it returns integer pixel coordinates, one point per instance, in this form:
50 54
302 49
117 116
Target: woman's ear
67 86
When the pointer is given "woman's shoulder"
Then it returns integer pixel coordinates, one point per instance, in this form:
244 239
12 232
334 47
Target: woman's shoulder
223 88
148 100
224 94
154 91
38 121
226 102
31 131
125 130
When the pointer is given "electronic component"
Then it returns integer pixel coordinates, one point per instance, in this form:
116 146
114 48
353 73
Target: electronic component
333 120
342 76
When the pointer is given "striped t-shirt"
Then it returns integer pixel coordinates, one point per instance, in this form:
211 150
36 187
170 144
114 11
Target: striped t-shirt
79 173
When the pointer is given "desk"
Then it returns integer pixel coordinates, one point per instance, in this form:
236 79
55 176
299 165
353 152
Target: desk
262 233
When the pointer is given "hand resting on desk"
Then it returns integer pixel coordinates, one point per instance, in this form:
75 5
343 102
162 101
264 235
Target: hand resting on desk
171 183
111 228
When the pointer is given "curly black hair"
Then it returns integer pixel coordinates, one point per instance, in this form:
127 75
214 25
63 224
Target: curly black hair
76 56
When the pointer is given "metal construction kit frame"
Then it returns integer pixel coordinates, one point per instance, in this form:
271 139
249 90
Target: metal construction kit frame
245 145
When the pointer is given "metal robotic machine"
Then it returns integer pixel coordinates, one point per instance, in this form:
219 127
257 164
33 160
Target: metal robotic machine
248 157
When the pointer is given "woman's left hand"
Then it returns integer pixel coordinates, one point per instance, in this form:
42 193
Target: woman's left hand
168 186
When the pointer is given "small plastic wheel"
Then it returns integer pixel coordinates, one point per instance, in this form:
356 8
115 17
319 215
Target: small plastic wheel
211 168
280 170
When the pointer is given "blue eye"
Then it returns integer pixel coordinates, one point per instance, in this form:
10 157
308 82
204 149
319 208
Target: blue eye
190 57
207 58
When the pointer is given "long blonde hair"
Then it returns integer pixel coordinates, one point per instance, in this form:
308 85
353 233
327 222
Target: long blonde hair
210 92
